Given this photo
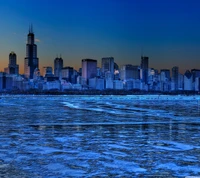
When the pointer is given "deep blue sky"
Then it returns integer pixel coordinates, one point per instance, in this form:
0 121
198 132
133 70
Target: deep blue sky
168 31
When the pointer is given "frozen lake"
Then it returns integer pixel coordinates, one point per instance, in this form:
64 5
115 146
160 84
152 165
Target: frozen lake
99 136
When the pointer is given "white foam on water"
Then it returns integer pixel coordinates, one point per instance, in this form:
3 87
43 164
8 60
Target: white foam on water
88 108
70 105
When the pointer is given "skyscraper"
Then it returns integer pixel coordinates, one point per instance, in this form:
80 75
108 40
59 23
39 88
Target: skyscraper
175 76
129 72
195 73
188 80
47 71
58 65
67 73
107 65
166 72
89 69
144 62
31 61
144 69
12 68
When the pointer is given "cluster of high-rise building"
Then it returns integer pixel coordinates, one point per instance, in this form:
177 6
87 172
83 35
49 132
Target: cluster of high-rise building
90 76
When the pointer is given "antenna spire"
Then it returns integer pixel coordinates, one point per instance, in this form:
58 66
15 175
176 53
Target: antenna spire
31 28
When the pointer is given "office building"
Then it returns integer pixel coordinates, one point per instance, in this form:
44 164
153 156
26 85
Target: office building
197 84
175 78
31 61
96 83
162 77
116 67
36 74
98 72
6 81
47 71
109 83
12 68
153 78
107 65
67 73
180 81
89 70
129 72
144 69
195 74
58 65
188 81
118 85
166 73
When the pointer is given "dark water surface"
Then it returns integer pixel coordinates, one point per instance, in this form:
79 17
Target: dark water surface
99 136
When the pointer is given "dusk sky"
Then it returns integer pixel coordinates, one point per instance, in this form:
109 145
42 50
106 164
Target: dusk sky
168 31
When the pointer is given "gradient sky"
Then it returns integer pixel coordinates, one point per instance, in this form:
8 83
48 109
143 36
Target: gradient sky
168 31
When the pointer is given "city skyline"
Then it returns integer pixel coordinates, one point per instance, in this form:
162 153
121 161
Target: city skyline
167 32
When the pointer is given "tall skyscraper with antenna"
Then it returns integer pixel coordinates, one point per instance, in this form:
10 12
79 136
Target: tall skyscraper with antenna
31 61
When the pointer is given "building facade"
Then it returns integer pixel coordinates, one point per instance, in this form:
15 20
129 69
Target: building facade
67 73
166 73
129 72
144 69
47 71
89 69
195 74
31 61
188 81
175 78
58 65
13 68
107 65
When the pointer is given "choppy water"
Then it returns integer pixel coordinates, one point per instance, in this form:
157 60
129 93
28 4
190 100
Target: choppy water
105 136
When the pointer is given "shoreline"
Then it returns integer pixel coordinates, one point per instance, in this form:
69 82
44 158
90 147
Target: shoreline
110 97
100 92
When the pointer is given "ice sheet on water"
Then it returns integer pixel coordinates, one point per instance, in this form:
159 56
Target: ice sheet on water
126 165
55 166
66 139
190 159
119 135
73 172
118 146
174 167
87 108
111 153
42 149
3 166
70 105
173 146
130 108
89 155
